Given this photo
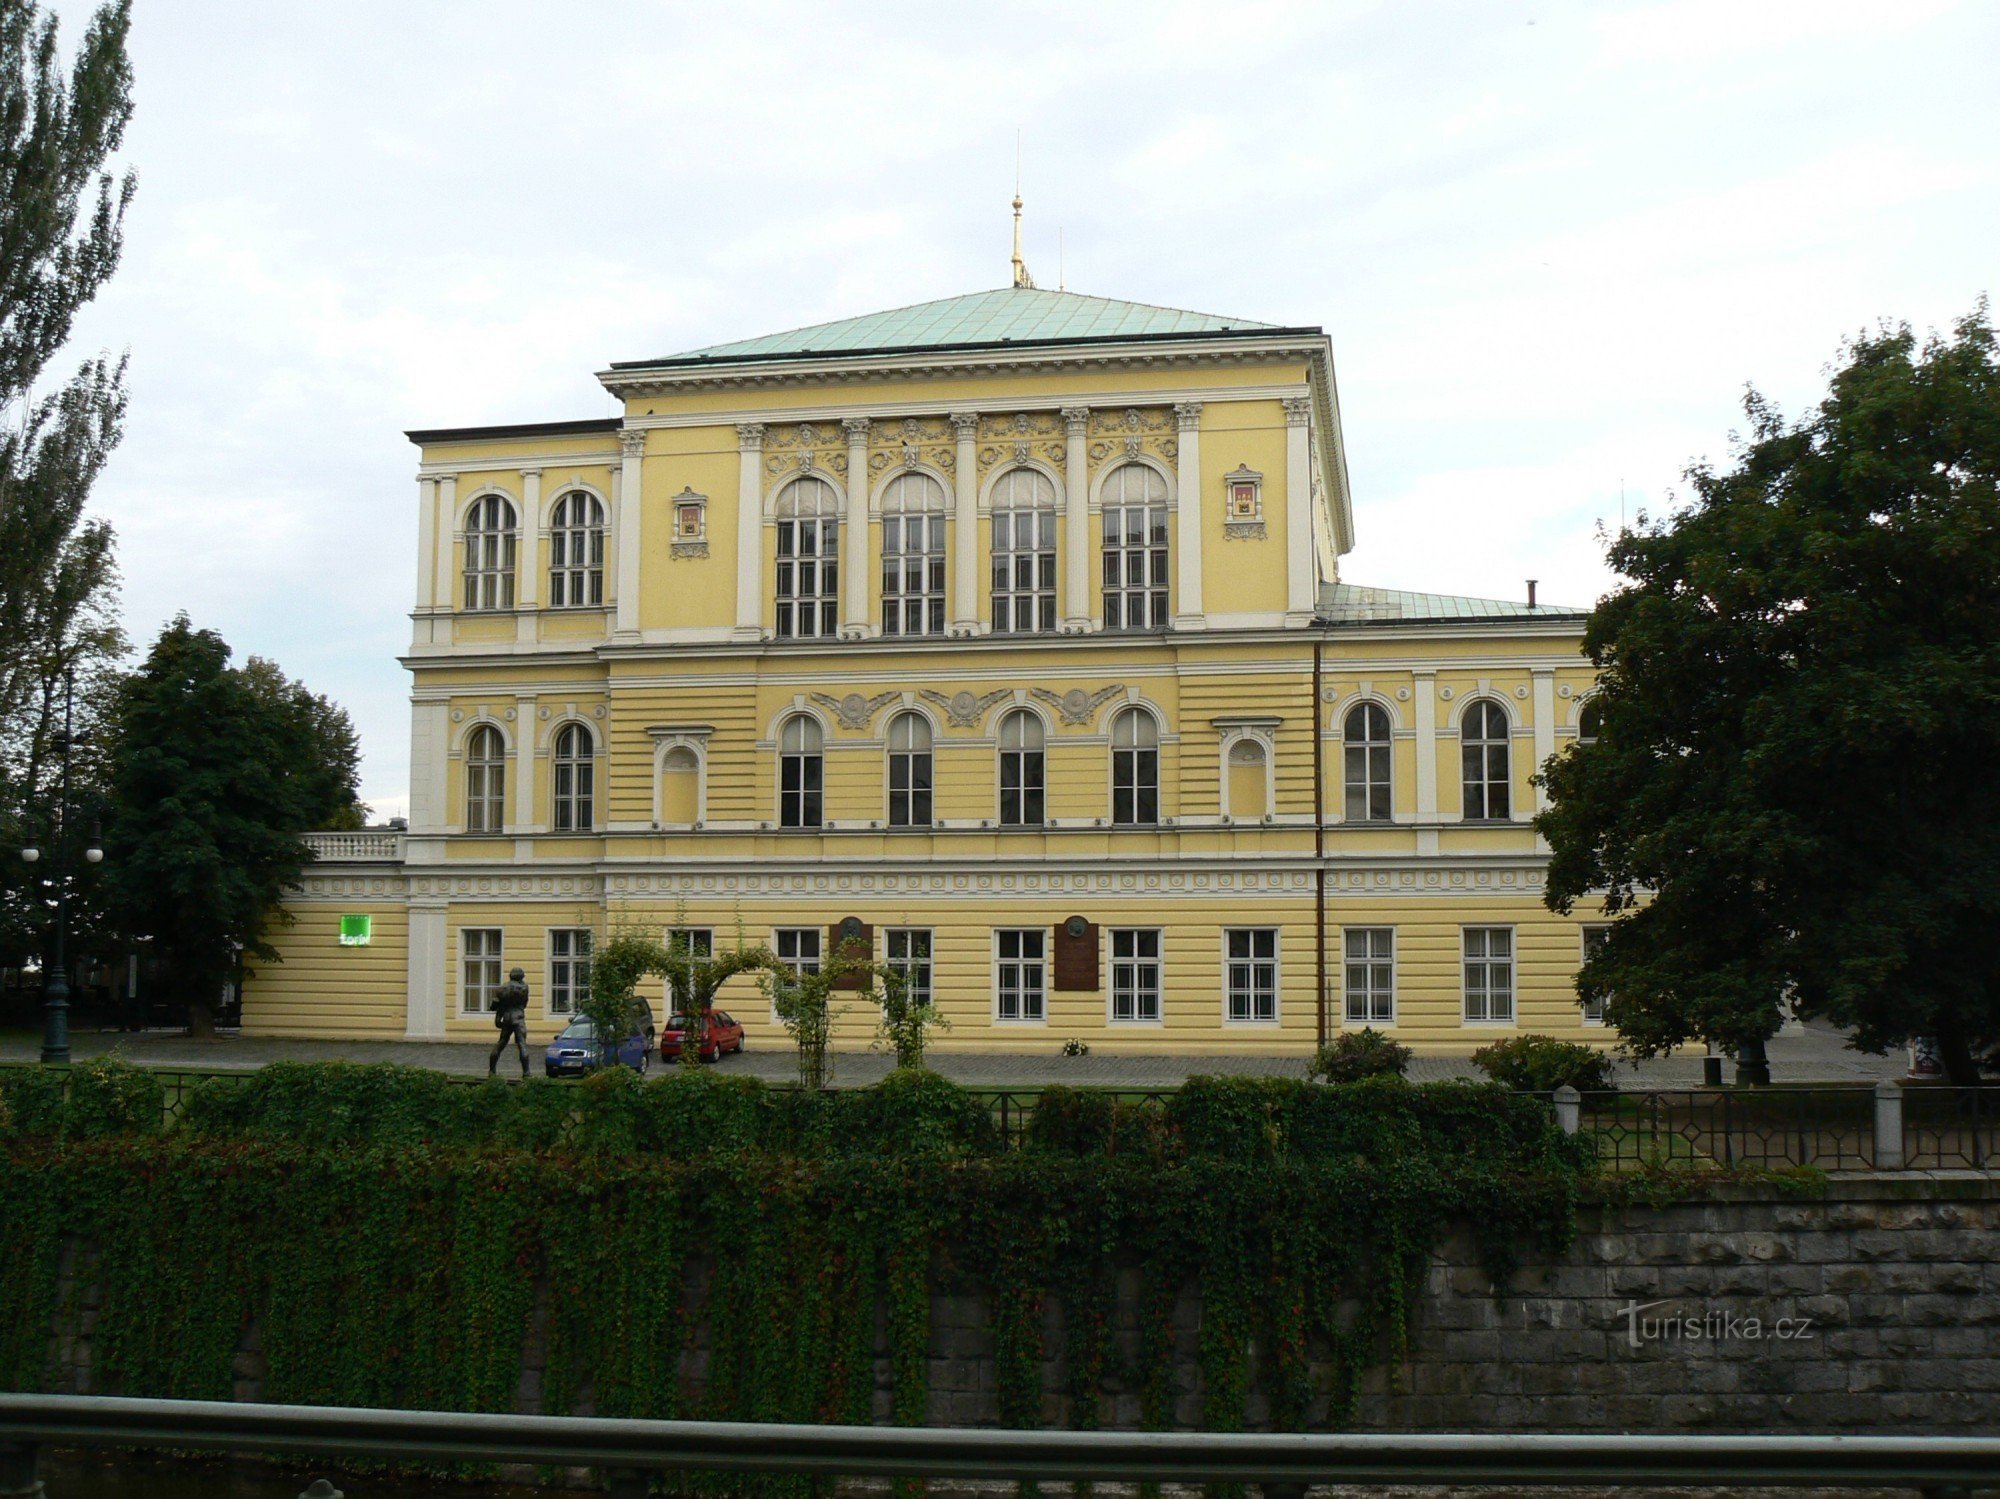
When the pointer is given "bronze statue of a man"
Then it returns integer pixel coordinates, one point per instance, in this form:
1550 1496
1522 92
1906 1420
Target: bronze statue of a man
510 1018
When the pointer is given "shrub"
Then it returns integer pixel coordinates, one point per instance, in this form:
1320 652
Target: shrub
1540 1064
1354 1055
31 1101
109 1096
1071 1122
912 1111
337 1103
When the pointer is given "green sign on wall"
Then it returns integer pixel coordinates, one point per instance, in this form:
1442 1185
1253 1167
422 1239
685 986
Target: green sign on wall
356 930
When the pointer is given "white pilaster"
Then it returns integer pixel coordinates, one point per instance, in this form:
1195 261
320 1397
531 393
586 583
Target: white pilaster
965 590
1187 534
1076 521
1300 592
854 558
427 544
447 593
428 977
528 556
1424 710
632 456
430 746
750 531
1544 700
522 808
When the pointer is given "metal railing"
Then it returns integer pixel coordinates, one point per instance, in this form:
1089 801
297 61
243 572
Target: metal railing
1831 1128
363 847
1285 1461
1947 1128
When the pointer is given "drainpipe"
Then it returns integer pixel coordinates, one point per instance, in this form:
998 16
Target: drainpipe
1319 842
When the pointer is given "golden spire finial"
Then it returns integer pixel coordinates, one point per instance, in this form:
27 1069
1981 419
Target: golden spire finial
1021 276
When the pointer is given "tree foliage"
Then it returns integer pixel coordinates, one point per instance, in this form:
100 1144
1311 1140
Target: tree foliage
1791 794
693 981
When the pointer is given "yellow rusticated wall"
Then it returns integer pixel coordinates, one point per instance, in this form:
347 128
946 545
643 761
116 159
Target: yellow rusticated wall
322 989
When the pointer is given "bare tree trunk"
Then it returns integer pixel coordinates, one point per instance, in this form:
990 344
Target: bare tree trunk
1960 1065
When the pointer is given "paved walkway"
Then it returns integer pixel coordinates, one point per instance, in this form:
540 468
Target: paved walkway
1811 1053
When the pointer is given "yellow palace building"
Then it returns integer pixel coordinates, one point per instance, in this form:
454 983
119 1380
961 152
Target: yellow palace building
1005 632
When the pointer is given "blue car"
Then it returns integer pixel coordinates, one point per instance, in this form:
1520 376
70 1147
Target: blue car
574 1051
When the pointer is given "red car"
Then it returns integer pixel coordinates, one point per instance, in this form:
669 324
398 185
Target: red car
723 1036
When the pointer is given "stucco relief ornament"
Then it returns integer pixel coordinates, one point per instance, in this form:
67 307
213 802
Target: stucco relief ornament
964 708
877 462
1077 706
854 710
808 435
1099 451
912 455
805 462
1132 446
912 429
1021 451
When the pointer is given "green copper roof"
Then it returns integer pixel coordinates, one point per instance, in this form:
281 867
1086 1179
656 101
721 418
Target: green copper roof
1022 315
1349 603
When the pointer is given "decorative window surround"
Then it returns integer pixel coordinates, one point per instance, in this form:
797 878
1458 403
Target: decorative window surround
1243 505
690 533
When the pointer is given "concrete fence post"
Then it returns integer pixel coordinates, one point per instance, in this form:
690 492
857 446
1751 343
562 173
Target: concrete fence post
1888 1125
1569 1108
17 1470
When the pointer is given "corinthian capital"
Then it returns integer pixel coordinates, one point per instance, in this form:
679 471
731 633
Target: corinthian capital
965 425
857 428
1187 415
1298 410
1076 420
750 434
632 440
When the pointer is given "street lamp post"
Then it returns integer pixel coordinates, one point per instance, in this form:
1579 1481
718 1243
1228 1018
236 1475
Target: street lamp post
55 983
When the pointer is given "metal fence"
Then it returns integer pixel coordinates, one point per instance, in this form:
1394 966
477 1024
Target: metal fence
1831 1128
1946 1128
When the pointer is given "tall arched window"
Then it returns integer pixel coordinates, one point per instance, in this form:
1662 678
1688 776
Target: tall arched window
808 573
1024 552
1135 549
909 771
1021 742
1589 723
1483 737
1135 768
575 779
489 553
1365 736
485 781
801 773
576 551
913 556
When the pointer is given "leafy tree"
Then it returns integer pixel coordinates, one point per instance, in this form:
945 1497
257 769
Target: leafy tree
325 762
907 1021
1791 792
214 773
804 1005
693 981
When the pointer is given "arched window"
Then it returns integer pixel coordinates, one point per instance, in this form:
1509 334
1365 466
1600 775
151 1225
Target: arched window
1024 552
489 553
1484 750
1589 722
909 771
575 779
1135 768
576 551
1248 775
801 773
680 786
1135 549
1021 743
913 556
1365 736
485 781
808 574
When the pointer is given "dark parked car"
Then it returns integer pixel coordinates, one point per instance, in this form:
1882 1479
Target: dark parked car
574 1051
723 1036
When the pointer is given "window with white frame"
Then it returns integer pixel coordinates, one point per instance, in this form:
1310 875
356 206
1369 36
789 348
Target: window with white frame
696 942
1589 722
1024 552
569 969
1020 974
1135 768
908 953
479 968
913 556
1489 974
909 771
1594 938
576 551
801 772
489 553
798 947
1484 748
1135 974
1365 749
808 569
1135 549
1250 973
1022 741
1369 959
574 789
485 780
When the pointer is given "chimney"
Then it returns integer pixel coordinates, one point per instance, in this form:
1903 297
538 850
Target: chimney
1531 593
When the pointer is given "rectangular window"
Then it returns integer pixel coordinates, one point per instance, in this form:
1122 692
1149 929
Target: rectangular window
1489 975
1369 953
1024 571
909 954
1135 567
569 969
479 973
1020 974
1593 939
1251 973
798 947
1135 975
913 575
700 943
808 578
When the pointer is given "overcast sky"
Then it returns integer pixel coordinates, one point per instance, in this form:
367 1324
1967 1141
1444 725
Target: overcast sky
1551 243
